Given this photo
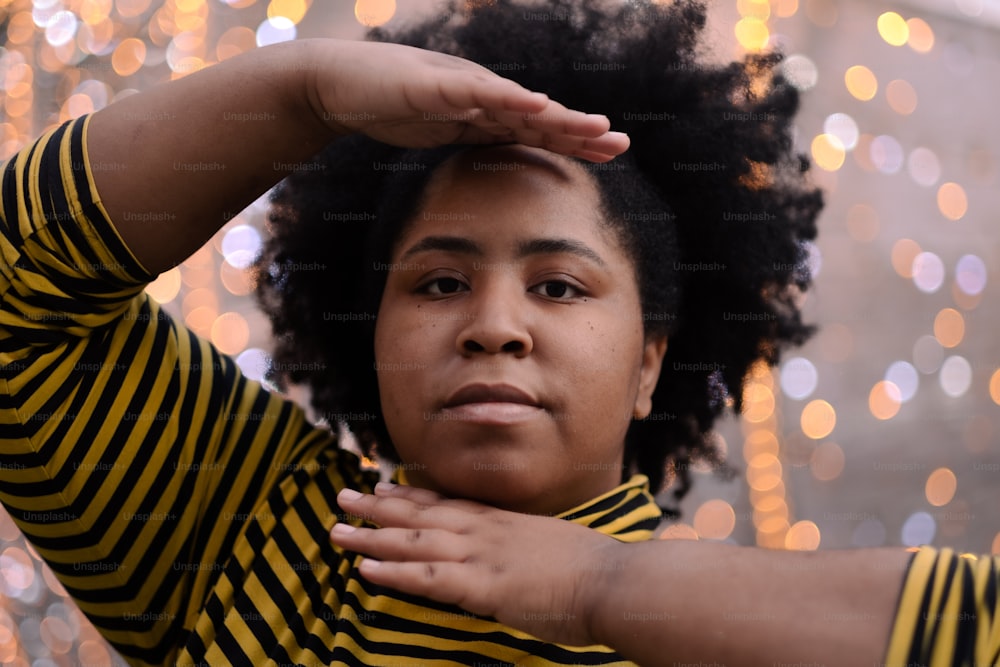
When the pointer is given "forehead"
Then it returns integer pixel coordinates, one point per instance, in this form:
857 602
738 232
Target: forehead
514 189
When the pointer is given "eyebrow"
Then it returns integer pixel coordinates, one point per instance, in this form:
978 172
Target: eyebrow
539 246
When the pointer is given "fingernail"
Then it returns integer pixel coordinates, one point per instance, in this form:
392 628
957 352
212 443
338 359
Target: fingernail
343 528
385 487
348 494
369 564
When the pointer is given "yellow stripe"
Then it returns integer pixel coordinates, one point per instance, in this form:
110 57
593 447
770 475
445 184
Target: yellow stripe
908 612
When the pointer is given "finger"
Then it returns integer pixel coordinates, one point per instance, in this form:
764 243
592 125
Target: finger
515 106
556 119
401 544
414 493
474 90
447 582
403 512
428 497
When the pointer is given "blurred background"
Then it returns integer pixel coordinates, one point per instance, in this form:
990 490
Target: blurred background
882 430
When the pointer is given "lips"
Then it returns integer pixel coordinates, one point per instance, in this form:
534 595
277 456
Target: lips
490 393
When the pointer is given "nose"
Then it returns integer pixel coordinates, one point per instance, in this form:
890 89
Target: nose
498 322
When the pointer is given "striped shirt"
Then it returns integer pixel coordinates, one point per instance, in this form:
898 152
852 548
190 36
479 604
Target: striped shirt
947 612
185 508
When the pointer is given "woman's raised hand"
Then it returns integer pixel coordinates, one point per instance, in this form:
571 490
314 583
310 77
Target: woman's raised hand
416 98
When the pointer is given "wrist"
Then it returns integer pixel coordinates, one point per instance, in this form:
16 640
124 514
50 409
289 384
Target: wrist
603 593
316 58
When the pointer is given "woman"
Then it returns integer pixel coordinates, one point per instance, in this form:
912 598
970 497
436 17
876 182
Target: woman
513 328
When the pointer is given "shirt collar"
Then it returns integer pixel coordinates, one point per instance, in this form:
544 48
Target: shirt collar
627 512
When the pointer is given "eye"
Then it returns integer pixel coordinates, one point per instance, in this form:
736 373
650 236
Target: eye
442 286
556 289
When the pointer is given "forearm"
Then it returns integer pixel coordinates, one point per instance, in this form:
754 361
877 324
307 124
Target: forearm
174 163
676 602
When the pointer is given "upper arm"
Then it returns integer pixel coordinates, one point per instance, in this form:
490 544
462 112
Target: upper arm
132 449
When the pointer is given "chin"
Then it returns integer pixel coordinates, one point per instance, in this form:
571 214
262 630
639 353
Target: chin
503 485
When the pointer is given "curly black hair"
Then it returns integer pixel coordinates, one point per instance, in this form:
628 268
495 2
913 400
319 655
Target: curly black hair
711 202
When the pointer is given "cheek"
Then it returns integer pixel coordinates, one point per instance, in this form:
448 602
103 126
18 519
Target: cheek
603 364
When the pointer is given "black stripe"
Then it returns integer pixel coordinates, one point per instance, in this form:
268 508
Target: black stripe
603 506
937 621
8 214
624 509
917 646
225 641
965 640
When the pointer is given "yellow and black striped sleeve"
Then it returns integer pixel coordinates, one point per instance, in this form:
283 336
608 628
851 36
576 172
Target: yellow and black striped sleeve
131 451
947 612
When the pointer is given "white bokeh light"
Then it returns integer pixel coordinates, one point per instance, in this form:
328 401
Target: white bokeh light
971 274
240 245
956 376
924 166
798 378
928 272
918 529
905 377
274 30
843 127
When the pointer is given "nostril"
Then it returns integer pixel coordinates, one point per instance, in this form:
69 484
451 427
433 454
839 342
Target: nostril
513 346
473 346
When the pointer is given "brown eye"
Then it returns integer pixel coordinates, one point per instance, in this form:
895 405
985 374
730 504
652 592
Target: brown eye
444 286
556 289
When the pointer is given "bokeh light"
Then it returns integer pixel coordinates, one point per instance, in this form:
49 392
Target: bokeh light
128 56
941 486
275 30
956 376
758 402
884 400
827 461
918 529
861 82
798 377
800 71
971 274
928 272
921 36
828 152
904 252
952 201
924 166
995 386
374 13
238 39
165 288
818 419
679 531
752 33
844 128
240 244
886 154
949 327
905 378
928 354
803 536
293 10
715 520
901 96
230 333
893 29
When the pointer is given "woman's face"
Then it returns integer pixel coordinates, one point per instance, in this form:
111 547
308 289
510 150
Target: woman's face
509 342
